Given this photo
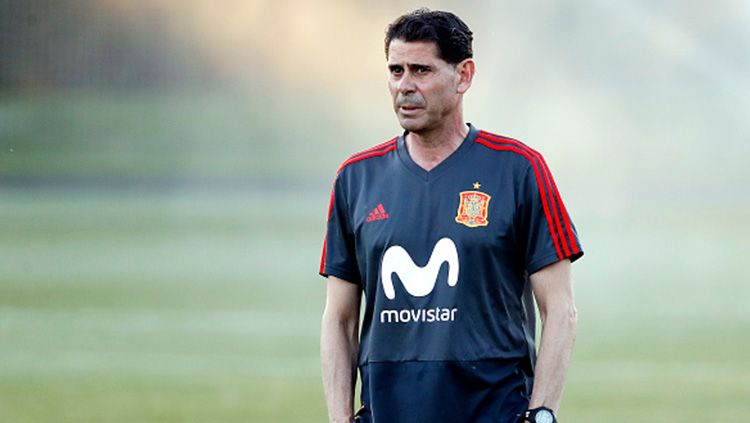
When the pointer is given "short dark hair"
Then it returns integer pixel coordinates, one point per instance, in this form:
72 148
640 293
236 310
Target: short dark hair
449 33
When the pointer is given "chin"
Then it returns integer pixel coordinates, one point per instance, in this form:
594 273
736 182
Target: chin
411 125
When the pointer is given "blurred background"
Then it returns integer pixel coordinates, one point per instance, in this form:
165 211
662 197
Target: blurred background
164 176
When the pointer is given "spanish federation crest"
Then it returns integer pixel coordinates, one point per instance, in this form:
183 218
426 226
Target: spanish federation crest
473 208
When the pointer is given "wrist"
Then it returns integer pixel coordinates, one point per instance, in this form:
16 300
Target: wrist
539 415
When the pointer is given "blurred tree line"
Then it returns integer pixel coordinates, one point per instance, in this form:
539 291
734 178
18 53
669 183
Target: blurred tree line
115 92
52 44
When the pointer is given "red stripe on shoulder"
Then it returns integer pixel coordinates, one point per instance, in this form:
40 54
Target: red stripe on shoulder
376 151
377 147
540 184
503 138
568 243
557 197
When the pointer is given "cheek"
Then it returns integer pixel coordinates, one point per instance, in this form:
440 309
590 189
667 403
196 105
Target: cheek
438 90
449 93
392 90
439 97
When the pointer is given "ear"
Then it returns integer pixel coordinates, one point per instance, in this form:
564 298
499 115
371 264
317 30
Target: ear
464 75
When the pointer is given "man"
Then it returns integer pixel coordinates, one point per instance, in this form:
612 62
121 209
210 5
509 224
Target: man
447 230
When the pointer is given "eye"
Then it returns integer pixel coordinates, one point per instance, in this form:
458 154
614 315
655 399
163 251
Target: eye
396 70
421 70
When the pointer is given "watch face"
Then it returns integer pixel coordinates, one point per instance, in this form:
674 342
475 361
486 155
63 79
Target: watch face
544 416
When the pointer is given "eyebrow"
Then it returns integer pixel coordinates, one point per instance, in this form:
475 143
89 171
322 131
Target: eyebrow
393 66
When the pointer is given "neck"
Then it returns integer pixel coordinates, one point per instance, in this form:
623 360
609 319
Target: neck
429 148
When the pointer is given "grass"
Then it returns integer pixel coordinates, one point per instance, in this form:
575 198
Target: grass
197 306
151 308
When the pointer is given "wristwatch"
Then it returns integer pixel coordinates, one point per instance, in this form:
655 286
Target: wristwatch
540 415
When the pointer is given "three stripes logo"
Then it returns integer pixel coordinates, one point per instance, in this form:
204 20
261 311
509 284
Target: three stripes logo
378 213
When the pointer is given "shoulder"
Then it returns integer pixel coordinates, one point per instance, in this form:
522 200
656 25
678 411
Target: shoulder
496 142
519 153
379 150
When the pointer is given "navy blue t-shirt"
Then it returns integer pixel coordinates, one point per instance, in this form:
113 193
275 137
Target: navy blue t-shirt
443 258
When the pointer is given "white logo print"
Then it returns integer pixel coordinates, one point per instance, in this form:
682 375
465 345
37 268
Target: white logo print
418 281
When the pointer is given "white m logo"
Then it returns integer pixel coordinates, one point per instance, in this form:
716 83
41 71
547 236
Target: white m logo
418 281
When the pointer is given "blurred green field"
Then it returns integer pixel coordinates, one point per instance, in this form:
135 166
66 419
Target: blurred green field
194 306
151 306
158 260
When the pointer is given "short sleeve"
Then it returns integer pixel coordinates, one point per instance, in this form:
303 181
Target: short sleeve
339 257
547 234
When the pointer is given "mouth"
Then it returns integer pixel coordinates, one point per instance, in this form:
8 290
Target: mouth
406 108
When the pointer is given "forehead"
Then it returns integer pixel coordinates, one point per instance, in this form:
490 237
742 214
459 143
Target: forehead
400 51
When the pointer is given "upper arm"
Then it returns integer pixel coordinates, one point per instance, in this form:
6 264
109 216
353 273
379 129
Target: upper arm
553 287
342 298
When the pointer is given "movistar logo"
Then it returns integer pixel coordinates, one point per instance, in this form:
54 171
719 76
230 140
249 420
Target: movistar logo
418 281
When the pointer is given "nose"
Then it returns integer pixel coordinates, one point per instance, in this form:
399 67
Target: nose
405 84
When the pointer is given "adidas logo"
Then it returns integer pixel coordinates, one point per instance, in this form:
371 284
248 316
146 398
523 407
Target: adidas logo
378 213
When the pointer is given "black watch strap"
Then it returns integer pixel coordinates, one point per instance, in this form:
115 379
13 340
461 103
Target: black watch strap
540 415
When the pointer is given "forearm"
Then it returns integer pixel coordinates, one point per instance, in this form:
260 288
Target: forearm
338 351
556 345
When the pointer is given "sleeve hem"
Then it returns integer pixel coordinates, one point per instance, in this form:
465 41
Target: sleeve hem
341 274
545 261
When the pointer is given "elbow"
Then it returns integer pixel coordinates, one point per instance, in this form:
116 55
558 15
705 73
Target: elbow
563 317
573 315
568 316
566 313
573 319
338 316
340 322
570 320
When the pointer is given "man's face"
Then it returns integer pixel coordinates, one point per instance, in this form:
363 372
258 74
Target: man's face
424 87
